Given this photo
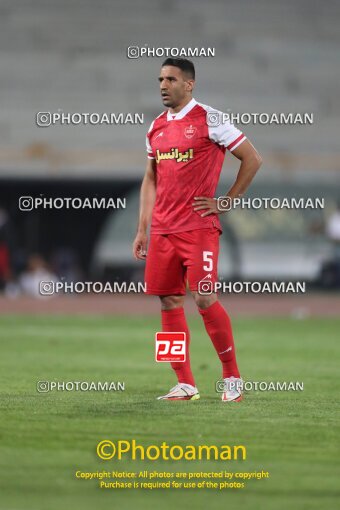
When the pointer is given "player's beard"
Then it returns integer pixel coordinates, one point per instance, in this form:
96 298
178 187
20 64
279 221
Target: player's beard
174 98
172 101
168 102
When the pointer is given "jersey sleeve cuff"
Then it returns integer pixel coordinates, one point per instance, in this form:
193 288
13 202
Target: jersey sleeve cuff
150 155
236 142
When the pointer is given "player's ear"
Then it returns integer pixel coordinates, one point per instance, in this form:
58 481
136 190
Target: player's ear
189 85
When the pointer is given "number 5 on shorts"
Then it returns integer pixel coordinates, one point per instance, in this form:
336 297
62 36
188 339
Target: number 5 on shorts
207 257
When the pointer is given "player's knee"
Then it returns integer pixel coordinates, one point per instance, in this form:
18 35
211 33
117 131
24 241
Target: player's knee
171 302
204 301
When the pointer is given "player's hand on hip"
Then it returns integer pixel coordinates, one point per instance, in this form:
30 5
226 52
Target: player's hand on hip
139 246
206 204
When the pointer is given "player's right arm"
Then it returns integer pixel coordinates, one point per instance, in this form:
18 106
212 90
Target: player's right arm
146 204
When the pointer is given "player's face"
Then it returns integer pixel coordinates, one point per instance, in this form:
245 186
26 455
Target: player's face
175 86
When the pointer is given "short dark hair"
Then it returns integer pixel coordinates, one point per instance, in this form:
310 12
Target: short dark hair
183 63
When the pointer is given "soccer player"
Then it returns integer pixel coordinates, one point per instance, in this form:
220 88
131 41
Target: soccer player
186 145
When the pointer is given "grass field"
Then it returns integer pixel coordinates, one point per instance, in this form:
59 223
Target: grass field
45 438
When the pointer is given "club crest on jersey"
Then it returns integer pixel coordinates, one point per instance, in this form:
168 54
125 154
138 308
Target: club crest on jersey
180 157
189 131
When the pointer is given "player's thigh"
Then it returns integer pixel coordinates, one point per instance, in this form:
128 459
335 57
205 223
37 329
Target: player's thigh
164 271
202 261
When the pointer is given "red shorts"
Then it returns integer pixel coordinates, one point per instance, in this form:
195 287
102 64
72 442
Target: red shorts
174 259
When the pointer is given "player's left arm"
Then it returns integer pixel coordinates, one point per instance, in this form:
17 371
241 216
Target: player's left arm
250 163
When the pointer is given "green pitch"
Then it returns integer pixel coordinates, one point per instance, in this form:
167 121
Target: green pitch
45 438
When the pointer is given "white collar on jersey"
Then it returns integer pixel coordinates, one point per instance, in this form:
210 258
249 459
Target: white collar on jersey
179 115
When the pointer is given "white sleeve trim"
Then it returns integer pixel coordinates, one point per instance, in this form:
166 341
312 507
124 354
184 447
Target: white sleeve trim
234 146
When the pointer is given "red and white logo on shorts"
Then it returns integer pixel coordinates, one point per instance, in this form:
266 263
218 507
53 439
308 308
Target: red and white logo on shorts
170 346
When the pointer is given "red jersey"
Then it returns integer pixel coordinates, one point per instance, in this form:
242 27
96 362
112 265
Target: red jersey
189 149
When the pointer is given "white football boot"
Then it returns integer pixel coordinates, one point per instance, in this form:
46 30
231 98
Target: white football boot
181 391
232 389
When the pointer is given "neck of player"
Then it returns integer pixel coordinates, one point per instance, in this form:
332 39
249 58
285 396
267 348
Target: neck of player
179 107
